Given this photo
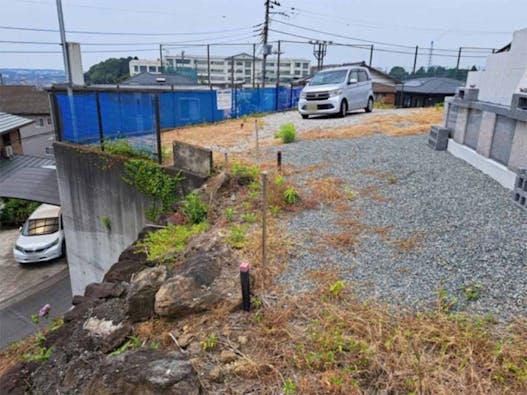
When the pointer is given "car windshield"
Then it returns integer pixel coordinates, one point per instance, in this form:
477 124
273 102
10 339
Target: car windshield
329 77
40 226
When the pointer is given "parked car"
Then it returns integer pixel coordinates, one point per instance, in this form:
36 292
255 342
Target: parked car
41 237
337 91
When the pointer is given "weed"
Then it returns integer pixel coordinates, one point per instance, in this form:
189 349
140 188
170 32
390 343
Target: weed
194 208
257 302
106 223
471 291
249 218
161 245
445 303
349 193
154 345
391 179
290 196
289 387
279 180
41 355
274 209
229 214
245 174
122 147
287 133
336 288
133 342
209 343
237 238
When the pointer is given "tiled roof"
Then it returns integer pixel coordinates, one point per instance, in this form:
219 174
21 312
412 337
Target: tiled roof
23 100
431 85
10 122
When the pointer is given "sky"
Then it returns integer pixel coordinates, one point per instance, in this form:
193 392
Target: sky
121 28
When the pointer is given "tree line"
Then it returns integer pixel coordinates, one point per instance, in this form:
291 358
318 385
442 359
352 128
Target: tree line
434 71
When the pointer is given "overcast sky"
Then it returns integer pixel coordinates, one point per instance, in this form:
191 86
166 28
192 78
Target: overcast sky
393 25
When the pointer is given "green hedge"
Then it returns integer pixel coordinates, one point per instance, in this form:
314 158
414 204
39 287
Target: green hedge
15 211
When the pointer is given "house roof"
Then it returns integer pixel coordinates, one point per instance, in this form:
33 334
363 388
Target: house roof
431 85
30 178
23 100
150 79
10 122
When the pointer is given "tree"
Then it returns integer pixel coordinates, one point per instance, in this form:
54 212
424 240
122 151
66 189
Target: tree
398 72
109 71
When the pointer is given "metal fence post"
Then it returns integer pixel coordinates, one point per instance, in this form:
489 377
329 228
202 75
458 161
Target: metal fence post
99 120
158 129
264 218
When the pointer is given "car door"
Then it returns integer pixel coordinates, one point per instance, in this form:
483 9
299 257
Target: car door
352 95
363 89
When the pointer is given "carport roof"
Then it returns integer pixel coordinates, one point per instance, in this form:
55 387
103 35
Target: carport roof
30 178
10 122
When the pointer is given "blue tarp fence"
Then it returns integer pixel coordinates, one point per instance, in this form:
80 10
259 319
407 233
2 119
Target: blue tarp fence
88 117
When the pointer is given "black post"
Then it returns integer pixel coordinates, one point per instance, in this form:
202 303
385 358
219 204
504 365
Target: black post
208 66
99 120
161 68
158 129
232 72
279 160
371 54
415 58
245 283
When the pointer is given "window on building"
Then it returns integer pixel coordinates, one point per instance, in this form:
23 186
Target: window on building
201 62
248 64
183 61
298 64
239 63
305 65
217 78
297 72
269 64
217 62
304 72
41 122
152 69
216 70
142 68
247 71
49 121
136 68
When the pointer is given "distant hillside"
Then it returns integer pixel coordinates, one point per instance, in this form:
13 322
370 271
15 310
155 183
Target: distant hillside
37 77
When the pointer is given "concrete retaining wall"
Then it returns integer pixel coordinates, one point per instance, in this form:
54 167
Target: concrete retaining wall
91 188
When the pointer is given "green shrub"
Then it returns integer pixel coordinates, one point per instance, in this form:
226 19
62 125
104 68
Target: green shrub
122 147
245 174
287 133
236 238
163 243
195 209
229 214
290 196
16 211
249 218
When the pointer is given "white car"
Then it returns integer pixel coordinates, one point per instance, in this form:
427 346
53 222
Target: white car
337 91
42 236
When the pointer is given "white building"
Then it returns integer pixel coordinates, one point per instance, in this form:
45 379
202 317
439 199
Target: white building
245 69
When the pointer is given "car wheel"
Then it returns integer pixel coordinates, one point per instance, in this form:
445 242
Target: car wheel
343 108
304 116
369 107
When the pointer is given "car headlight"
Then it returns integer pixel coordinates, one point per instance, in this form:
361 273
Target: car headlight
302 95
335 92
17 247
53 243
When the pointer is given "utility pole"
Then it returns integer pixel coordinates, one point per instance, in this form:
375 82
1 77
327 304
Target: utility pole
431 53
265 38
319 51
458 58
67 69
415 58
161 69
371 54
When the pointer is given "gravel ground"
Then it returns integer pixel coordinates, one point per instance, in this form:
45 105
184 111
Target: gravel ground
467 230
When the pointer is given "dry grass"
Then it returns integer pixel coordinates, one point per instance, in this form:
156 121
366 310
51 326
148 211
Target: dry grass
13 354
410 123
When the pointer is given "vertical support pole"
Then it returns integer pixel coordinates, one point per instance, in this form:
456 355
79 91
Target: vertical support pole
232 73
208 66
277 76
161 67
99 120
371 54
55 111
245 283
256 133
158 129
415 58
279 160
458 58
264 219
254 65
226 156
64 44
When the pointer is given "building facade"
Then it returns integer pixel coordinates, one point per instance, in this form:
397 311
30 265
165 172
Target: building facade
29 102
10 140
240 68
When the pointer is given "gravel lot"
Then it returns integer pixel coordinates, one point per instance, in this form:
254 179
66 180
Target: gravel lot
467 233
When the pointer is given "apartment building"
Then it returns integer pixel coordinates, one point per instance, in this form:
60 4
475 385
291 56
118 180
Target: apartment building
239 68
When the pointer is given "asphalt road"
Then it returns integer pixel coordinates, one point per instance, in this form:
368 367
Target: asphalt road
24 289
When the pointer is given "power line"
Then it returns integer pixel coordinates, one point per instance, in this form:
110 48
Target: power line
123 33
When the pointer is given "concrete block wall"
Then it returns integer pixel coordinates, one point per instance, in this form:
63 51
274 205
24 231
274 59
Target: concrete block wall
91 188
493 132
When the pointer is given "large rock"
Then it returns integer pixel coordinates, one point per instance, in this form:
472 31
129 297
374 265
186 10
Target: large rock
103 290
142 291
132 260
17 380
208 275
144 372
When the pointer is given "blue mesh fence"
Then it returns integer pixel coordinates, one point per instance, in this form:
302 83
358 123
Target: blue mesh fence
132 115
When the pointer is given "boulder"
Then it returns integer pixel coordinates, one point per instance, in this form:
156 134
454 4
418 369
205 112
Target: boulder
108 336
17 380
142 291
207 276
143 372
104 290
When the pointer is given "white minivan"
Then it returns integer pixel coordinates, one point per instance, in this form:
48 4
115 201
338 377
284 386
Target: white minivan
337 91
42 236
